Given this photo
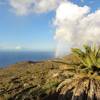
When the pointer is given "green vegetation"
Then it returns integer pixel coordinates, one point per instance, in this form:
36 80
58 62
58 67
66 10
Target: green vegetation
85 84
89 57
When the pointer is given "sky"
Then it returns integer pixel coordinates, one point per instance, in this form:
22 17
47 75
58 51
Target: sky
28 24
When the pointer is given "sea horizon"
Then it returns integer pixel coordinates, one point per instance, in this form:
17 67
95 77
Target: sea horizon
12 57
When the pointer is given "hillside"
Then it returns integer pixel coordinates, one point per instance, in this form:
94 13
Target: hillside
33 80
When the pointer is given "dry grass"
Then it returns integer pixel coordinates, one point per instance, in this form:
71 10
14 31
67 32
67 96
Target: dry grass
19 79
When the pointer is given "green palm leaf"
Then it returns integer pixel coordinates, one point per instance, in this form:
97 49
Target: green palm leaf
89 57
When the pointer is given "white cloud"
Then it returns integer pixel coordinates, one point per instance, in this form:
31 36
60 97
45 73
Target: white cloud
45 5
24 7
75 26
18 48
21 7
10 47
70 12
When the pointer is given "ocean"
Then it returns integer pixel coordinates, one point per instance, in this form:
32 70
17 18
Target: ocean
8 58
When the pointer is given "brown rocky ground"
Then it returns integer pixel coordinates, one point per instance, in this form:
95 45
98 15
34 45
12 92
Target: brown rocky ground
38 80
34 80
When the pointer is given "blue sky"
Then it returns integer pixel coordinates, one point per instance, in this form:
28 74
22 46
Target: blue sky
31 31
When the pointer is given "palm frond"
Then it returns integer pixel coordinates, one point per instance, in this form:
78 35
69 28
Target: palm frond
89 57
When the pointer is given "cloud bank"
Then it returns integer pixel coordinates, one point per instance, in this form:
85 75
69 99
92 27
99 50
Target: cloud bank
75 26
24 7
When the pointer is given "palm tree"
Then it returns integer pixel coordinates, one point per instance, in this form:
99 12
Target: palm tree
89 57
86 84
